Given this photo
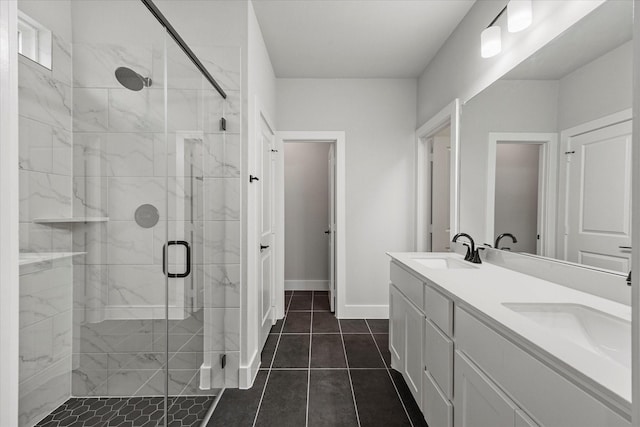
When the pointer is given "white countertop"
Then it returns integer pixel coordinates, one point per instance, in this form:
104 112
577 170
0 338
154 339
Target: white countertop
486 287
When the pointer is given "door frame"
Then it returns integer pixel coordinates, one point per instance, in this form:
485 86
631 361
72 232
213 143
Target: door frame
563 170
548 177
9 270
338 139
448 116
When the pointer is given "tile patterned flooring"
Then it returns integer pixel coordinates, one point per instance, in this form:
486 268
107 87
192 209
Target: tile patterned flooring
318 371
129 412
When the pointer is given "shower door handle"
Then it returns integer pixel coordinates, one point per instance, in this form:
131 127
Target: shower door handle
165 267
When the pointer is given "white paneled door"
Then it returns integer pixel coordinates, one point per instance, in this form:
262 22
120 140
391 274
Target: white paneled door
265 172
599 198
332 228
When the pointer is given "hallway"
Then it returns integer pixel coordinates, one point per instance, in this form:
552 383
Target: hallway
318 371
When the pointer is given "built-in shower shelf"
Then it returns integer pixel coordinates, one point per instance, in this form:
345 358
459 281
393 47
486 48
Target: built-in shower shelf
26 258
82 219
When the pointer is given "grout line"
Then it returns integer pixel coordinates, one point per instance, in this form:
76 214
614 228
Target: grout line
373 337
346 360
309 362
273 358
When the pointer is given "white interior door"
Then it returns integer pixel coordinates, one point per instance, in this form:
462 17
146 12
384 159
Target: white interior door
332 227
599 198
440 193
265 217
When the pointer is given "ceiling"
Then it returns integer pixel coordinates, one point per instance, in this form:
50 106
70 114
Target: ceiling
356 38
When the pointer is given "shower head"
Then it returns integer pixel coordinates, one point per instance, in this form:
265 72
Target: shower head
132 80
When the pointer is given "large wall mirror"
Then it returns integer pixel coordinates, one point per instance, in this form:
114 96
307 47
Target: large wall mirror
545 151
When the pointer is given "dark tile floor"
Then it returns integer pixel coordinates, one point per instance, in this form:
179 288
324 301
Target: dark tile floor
318 371
129 412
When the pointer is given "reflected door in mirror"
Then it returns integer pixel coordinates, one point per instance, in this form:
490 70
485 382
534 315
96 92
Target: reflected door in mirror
599 198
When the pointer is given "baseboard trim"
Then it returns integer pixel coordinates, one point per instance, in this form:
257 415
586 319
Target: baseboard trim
306 285
248 373
364 312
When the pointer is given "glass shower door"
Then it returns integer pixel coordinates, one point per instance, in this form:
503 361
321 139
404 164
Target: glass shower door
203 257
188 376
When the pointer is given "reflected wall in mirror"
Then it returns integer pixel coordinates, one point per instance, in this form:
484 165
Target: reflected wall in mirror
545 151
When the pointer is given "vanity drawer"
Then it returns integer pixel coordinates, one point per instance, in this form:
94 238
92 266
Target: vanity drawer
436 408
439 309
546 395
408 284
438 358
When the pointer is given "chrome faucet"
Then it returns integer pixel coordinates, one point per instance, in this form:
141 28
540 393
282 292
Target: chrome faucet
471 250
504 235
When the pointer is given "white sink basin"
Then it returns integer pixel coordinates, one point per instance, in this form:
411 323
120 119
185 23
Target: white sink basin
599 332
443 263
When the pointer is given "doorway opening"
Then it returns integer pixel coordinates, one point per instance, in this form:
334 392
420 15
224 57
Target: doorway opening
521 191
517 204
310 216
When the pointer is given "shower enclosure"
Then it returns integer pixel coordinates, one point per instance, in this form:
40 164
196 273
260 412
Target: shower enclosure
129 220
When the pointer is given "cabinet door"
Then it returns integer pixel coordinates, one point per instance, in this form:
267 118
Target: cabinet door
397 328
438 357
478 401
413 366
437 410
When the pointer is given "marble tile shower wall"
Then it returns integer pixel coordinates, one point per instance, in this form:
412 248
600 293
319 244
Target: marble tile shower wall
119 163
45 153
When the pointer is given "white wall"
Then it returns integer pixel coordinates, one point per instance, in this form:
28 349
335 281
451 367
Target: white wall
506 106
600 88
306 212
458 71
379 118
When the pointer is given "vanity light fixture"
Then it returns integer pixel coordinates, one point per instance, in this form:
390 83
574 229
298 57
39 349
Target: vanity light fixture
491 41
491 38
519 15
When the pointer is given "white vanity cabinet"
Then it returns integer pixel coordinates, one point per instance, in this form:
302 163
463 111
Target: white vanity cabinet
406 328
541 392
464 370
437 380
479 402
